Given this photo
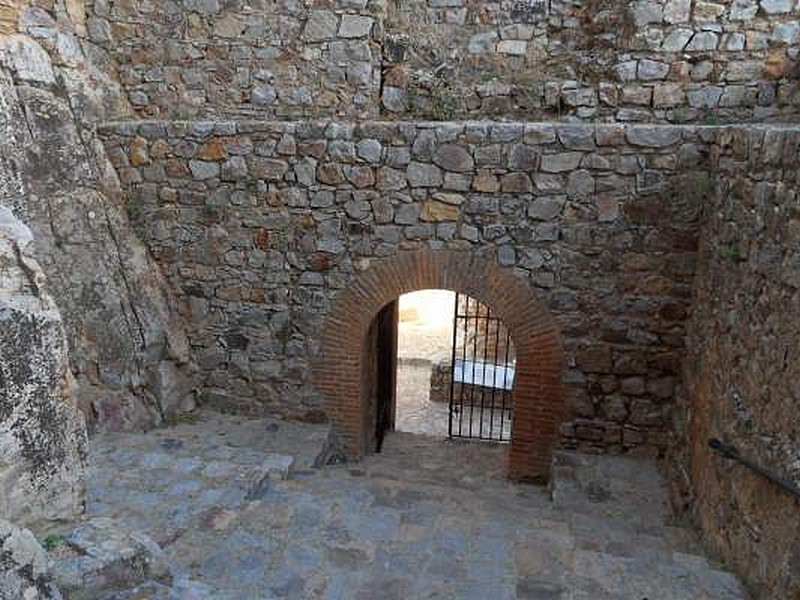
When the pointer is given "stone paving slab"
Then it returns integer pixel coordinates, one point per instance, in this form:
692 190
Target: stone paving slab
98 557
427 518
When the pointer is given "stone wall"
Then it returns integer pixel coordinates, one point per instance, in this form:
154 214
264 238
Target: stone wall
42 432
258 225
652 60
189 58
742 374
128 349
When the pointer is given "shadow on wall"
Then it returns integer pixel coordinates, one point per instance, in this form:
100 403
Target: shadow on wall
741 371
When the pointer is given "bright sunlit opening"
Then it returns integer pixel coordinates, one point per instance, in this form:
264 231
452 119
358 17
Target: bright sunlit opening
427 308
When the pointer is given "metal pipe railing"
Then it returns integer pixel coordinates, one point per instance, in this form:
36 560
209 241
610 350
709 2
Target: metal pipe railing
731 453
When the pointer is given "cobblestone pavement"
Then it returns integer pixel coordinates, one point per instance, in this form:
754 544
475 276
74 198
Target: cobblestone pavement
418 345
416 413
425 519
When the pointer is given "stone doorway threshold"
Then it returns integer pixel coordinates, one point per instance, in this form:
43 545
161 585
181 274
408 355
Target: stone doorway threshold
239 512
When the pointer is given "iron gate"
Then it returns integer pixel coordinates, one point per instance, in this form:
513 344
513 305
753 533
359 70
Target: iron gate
481 374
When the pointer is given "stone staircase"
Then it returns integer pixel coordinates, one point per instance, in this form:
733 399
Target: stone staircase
236 518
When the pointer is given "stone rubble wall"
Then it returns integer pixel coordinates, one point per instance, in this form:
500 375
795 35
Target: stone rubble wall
189 58
128 349
741 373
258 225
42 432
653 60
650 60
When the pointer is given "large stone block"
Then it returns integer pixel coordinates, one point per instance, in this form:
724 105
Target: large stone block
104 557
116 307
42 432
23 566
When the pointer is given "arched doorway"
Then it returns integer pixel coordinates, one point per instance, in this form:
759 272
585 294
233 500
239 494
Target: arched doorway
348 369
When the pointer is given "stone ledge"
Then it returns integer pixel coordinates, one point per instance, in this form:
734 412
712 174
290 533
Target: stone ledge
346 129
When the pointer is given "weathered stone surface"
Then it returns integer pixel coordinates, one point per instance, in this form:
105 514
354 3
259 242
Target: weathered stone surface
424 175
546 207
365 59
523 158
394 99
776 6
437 211
516 183
744 10
667 95
649 70
576 137
355 26
677 11
676 40
104 556
23 566
560 163
202 169
653 137
707 97
117 310
739 387
703 41
452 157
321 25
27 59
42 432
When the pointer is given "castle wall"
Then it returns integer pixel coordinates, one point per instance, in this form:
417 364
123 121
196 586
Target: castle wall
190 58
742 376
258 226
649 61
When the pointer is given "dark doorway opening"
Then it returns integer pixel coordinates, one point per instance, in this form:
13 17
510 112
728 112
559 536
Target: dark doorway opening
380 378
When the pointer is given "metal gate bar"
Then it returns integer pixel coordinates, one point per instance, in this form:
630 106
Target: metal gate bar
481 368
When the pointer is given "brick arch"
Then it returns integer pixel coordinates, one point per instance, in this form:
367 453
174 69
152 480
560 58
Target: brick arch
538 394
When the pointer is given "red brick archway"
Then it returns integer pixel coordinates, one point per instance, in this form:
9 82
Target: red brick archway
538 394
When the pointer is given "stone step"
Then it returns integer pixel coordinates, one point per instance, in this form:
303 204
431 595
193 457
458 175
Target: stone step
153 590
100 557
275 467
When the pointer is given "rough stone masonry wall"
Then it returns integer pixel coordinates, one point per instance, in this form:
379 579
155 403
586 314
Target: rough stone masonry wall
128 349
742 373
186 58
651 60
258 225
673 60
